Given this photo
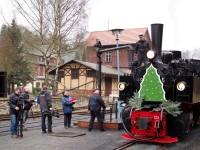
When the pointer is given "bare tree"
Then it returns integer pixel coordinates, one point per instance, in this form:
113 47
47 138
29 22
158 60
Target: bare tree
67 15
55 24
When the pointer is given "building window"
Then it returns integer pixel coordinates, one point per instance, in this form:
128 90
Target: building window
41 70
61 74
37 84
90 73
74 73
108 57
41 59
52 60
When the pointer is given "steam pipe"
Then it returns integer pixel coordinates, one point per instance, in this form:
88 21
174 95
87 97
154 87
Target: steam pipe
115 48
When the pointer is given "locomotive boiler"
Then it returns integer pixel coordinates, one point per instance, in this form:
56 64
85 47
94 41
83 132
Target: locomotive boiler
165 92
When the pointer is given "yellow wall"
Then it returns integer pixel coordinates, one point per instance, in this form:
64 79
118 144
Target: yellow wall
83 79
114 86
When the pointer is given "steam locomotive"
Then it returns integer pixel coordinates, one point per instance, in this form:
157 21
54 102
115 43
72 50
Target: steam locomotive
180 83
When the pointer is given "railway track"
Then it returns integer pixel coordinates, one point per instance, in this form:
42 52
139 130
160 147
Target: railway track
36 124
34 121
133 145
5 117
80 113
125 145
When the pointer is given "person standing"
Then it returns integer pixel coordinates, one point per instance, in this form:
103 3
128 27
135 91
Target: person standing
94 106
27 104
14 111
141 48
44 100
67 105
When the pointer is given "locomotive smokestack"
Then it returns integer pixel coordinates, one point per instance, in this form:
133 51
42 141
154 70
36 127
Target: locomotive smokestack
156 36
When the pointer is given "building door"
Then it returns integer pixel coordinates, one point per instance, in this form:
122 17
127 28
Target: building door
3 92
108 85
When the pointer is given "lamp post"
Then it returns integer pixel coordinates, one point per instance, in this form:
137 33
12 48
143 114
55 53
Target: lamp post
116 33
98 47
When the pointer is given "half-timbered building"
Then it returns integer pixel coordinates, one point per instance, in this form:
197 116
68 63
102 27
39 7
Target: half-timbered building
80 76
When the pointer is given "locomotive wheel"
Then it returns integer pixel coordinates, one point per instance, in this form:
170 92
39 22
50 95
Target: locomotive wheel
180 126
126 120
196 114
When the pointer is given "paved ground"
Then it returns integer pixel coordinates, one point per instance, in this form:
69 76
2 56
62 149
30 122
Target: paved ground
34 140
95 140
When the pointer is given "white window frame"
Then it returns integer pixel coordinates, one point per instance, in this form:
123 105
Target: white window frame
108 57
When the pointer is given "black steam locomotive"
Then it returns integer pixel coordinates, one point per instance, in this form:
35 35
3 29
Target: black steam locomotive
180 83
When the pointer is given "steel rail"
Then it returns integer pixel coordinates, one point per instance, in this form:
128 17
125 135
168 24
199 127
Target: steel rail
126 145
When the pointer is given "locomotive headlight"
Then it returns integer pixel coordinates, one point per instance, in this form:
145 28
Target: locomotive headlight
181 86
121 86
151 54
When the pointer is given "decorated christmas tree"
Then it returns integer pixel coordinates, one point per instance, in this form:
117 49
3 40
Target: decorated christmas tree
151 87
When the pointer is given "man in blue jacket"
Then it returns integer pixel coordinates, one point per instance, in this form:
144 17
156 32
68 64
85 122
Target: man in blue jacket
94 106
67 109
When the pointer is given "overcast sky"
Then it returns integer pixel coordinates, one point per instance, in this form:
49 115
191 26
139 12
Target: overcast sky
181 18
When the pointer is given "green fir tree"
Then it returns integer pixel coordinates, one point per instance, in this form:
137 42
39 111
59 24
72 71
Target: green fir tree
151 87
171 107
135 101
16 65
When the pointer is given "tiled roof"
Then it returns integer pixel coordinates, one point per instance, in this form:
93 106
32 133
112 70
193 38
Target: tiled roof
105 69
127 36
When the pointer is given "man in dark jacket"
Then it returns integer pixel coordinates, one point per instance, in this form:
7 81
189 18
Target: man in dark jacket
27 104
141 48
94 106
44 99
14 111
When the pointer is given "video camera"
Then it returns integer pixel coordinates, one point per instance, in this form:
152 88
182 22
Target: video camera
24 103
20 103
55 113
